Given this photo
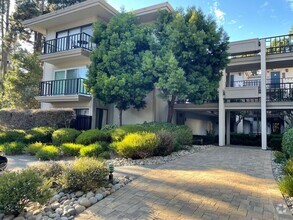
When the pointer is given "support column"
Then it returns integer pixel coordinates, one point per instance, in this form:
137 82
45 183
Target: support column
228 129
222 120
263 96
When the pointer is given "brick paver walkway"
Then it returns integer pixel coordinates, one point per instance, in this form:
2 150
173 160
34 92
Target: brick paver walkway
219 183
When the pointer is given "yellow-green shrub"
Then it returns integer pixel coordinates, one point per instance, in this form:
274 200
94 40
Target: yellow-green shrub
286 185
137 145
288 168
84 174
119 133
12 135
92 150
32 149
71 149
51 169
39 134
92 136
64 135
48 153
13 148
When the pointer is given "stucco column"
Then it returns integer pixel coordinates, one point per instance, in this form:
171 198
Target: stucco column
222 120
263 95
228 130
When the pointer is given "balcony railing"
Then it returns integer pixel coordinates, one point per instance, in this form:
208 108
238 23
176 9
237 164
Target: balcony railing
81 40
279 44
63 87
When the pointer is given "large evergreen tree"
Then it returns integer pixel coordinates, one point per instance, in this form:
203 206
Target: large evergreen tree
119 70
197 47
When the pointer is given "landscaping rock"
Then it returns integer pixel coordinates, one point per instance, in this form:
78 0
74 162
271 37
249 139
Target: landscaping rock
85 202
1 216
90 194
55 198
8 217
79 209
19 218
64 218
59 211
99 196
93 200
69 212
117 186
78 193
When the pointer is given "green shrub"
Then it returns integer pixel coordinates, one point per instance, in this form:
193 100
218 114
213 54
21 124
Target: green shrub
109 127
48 153
18 189
105 155
13 148
137 145
104 145
50 169
84 174
71 149
32 149
279 157
92 136
275 144
12 135
286 185
183 135
64 135
166 145
92 150
287 142
288 168
119 133
39 134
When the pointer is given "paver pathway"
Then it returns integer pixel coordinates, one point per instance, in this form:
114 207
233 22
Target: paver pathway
218 183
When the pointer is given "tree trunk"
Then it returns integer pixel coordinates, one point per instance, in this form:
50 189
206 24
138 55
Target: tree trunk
171 109
120 117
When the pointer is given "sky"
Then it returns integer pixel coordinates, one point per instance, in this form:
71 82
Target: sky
241 19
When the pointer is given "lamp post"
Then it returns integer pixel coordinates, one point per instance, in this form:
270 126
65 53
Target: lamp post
111 170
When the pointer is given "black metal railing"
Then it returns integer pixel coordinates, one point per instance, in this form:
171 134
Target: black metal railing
279 44
63 87
243 83
280 92
81 40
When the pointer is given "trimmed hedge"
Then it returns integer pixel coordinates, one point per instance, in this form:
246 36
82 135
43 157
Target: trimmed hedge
287 142
32 149
39 134
31 118
71 149
13 148
92 136
93 150
48 153
12 135
64 135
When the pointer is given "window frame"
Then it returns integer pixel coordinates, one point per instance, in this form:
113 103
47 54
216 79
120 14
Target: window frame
67 30
71 68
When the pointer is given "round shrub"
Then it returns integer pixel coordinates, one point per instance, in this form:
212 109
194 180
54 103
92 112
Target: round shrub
288 168
166 145
92 136
32 149
71 149
12 135
183 135
64 135
17 189
119 133
279 157
92 150
39 134
84 174
48 153
137 145
51 169
287 142
13 148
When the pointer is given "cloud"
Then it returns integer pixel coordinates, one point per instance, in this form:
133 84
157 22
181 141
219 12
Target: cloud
265 4
240 26
291 4
232 22
218 13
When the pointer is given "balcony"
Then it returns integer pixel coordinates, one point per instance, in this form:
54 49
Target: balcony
70 48
63 90
278 90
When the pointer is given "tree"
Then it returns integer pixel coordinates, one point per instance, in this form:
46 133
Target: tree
21 83
199 47
119 72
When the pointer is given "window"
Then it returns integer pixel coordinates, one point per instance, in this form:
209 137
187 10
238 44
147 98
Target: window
88 29
79 72
82 111
101 117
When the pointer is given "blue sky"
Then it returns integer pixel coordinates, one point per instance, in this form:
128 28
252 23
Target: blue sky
241 19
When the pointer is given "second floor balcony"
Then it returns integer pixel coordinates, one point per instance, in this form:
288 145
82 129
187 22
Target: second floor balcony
69 48
63 90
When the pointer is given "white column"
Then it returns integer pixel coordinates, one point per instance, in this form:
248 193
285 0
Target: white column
263 96
222 120
228 130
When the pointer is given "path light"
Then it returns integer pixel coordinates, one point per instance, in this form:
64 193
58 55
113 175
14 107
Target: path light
111 170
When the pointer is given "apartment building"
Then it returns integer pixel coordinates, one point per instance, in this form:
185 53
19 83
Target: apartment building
257 81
